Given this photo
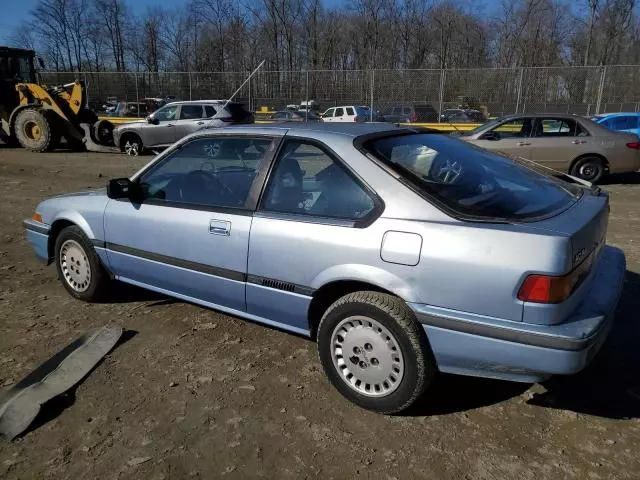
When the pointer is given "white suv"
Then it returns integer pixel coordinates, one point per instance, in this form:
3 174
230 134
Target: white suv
348 113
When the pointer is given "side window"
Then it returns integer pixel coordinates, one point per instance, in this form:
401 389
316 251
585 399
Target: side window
624 123
166 113
308 181
350 111
517 128
280 116
190 112
406 110
209 111
329 113
216 172
556 127
339 112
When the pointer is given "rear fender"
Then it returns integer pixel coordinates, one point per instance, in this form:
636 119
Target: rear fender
367 274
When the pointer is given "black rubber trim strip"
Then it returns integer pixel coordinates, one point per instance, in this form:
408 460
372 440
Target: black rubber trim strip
36 227
265 281
98 243
507 334
177 262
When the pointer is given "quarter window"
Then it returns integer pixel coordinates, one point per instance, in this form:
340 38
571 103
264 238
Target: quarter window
209 111
308 181
350 111
215 172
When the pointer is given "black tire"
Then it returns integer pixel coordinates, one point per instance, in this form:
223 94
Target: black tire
590 168
419 365
34 131
103 132
98 281
133 140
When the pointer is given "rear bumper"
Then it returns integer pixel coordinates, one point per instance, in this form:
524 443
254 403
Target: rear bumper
38 238
474 345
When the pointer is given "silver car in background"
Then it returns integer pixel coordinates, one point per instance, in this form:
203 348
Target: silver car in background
176 120
402 253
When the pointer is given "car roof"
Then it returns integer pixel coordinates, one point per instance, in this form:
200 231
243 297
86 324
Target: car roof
539 115
618 114
346 129
197 102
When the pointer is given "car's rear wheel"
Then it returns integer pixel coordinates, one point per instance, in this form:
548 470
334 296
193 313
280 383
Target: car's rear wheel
590 168
374 351
131 144
78 265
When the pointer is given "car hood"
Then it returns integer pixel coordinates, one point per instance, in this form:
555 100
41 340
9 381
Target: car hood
87 193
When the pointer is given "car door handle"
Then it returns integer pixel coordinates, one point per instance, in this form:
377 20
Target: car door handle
220 227
522 144
578 142
200 123
169 124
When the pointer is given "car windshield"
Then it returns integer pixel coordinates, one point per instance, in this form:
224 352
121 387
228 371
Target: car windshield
484 126
470 181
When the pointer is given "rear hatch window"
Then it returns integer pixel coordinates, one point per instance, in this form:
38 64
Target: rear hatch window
471 182
238 113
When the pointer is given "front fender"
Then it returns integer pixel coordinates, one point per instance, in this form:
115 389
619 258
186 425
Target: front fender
367 274
77 219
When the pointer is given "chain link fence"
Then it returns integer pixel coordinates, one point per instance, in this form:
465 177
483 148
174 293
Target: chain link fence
497 91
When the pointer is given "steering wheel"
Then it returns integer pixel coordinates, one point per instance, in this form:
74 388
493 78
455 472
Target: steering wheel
446 170
205 178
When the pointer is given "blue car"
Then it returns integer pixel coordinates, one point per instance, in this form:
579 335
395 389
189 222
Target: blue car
624 122
401 252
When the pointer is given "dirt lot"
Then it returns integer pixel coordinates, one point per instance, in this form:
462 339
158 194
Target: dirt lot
238 400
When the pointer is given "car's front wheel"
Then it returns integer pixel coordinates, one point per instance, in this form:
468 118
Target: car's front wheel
78 265
374 351
131 144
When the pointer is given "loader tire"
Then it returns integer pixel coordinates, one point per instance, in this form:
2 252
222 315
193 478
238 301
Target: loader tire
34 130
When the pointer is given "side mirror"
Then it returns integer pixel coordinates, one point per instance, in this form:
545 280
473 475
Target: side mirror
153 120
490 136
119 188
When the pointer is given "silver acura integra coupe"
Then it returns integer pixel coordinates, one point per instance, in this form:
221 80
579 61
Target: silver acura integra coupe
401 252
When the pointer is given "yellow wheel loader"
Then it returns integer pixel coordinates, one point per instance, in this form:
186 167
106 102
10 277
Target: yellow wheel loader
36 116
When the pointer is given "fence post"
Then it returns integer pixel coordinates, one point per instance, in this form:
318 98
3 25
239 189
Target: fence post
603 75
135 77
441 94
306 110
86 88
519 93
190 85
373 82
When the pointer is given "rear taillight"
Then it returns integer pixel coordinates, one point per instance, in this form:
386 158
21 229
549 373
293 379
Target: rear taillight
413 117
634 145
356 118
551 289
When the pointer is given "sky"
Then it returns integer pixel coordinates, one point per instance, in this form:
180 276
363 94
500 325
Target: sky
14 12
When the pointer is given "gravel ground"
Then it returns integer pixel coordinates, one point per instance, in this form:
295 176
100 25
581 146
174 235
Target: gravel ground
193 393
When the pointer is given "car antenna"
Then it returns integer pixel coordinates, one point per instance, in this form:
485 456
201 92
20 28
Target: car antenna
244 83
579 180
